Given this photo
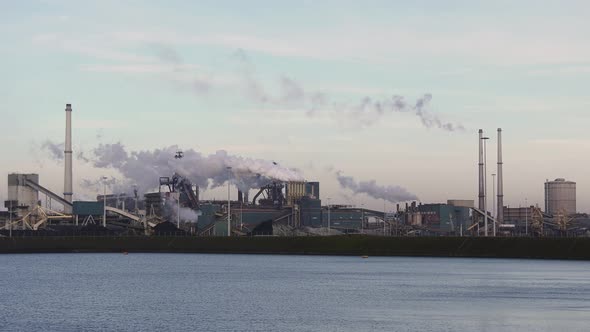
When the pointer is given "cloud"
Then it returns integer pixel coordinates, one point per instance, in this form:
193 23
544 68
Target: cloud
146 68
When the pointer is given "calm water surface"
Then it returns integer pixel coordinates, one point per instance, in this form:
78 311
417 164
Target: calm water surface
189 292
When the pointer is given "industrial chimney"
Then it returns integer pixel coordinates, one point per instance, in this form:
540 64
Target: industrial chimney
68 191
481 175
500 213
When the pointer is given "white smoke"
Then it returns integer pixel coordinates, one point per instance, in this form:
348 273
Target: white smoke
367 111
393 194
186 214
288 93
143 168
113 185
55 150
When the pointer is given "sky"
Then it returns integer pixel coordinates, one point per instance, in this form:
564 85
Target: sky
308 85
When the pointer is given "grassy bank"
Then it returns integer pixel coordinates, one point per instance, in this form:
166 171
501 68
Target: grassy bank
547 248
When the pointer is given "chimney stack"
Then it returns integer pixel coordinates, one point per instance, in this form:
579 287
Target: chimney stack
68 191
481 175
500 213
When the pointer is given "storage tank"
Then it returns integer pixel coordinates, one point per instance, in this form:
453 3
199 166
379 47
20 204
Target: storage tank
560 195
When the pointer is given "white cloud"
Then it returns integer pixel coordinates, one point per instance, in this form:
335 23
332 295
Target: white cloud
562 142
136 68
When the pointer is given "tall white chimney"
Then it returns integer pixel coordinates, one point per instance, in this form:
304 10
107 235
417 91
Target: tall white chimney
481 175
500 213
68 191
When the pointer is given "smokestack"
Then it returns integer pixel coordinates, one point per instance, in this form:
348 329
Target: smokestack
240 197
68 191
481 176
500 213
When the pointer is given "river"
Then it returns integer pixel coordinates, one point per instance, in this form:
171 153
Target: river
194 292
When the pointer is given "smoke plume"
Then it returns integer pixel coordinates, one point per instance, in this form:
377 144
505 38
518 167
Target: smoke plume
186 214
288 93
144 168
393 194
55 150
367 111
113 184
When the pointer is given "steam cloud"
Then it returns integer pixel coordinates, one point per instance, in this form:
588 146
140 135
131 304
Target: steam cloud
143 168
366 112
393 194
186 214
56 150
288 93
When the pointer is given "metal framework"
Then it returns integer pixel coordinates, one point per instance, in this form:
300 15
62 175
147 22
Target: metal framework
36 218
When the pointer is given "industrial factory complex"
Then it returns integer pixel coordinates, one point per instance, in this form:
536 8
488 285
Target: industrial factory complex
278 208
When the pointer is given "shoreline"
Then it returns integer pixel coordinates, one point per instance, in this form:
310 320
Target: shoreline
347 245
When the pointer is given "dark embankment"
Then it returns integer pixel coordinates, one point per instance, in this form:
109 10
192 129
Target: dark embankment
545 248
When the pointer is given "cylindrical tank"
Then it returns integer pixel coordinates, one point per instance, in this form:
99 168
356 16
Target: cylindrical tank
560 195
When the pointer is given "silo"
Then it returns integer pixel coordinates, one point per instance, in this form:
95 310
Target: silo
560 195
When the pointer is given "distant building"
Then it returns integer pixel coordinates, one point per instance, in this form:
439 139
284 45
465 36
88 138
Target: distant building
22 198
518 215
445 217
461 202
560 195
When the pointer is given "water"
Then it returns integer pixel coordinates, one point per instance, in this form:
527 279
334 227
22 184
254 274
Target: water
189 292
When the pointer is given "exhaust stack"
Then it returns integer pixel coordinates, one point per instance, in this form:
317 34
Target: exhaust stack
500 210
481 175
68 191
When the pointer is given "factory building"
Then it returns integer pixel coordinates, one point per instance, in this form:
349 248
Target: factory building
343 217
560 197
311 211
312 189
121 201
22 198
518 215
87 212
441 217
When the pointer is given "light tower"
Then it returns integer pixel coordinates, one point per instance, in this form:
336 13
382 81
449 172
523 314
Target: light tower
500 201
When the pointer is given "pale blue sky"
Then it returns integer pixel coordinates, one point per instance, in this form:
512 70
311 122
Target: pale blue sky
129 68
